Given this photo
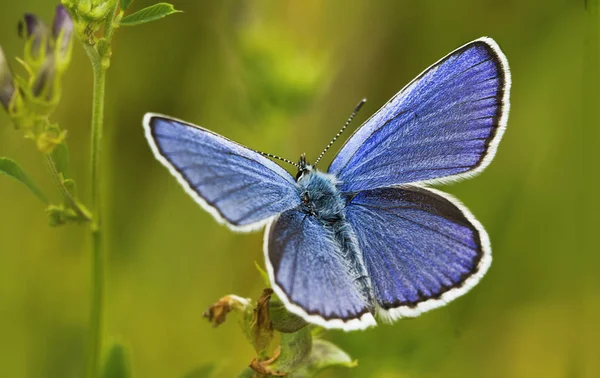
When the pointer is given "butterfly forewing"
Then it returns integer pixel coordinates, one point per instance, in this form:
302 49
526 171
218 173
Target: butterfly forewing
444 125
235 184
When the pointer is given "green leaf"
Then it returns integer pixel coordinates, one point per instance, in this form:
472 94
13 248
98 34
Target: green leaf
116 364
125 4
60 155
11 169
323 355
283 320
151 13
203 371
295 350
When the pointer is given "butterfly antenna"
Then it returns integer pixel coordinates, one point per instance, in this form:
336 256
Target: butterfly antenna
360 104
276 157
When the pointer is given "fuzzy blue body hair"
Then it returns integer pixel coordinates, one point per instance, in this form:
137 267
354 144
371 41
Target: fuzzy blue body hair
322 200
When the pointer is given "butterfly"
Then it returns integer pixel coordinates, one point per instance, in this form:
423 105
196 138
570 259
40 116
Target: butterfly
368 238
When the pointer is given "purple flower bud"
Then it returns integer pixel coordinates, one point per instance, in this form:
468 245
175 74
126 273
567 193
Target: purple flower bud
62 24
7 85
32 28
43 83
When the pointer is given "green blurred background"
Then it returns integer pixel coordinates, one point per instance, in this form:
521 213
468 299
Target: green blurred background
282 76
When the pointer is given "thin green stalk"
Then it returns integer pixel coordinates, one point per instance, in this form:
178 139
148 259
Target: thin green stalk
96 325
97 129
79 208
99 55
97 299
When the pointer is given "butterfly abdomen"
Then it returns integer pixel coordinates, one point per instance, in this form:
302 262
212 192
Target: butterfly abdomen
322 199
345 237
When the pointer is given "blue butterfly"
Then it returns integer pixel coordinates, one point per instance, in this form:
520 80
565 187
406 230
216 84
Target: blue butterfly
368 238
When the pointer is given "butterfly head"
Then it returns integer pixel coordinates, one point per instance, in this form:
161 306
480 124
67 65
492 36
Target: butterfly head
319 194
303 167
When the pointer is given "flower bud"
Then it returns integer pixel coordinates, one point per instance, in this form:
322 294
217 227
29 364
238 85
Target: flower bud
69 3
48 140
44 80
36 34
62 32
7 85
84 7
100 11
217 313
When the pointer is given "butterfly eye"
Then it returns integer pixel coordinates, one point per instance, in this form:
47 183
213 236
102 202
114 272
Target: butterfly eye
305 198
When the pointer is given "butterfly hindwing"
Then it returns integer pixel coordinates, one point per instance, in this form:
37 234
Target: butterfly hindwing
309 273
444 125
421 247
235 184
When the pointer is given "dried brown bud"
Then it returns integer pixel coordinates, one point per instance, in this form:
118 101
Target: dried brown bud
262 367
262 328
217 313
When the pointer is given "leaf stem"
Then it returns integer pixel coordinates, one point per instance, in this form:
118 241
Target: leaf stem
109 26
64 191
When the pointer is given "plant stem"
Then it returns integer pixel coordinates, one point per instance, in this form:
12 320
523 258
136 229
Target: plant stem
99 55
96 326
97 300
